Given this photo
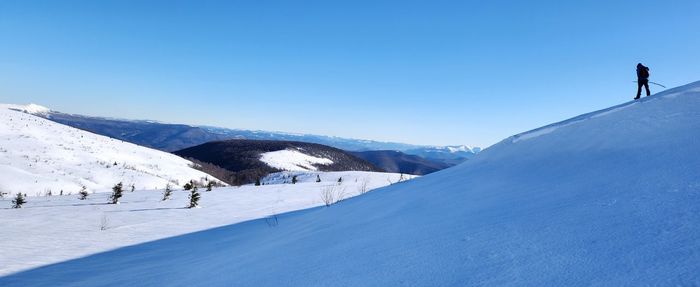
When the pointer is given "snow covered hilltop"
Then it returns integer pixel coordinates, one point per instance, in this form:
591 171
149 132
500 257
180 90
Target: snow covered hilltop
607 198
38 156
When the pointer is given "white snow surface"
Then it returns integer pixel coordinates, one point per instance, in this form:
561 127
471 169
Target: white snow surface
293 160
51 229
609 198
38 156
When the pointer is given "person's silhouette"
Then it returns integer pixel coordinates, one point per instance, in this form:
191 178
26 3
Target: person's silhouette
642 80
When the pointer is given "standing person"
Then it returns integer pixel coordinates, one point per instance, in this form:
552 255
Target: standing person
642 80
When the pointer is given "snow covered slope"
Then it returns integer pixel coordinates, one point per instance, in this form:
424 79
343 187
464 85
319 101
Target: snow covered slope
51 229
38 156
292 160
607 198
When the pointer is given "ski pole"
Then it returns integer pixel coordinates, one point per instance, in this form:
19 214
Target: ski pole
650 82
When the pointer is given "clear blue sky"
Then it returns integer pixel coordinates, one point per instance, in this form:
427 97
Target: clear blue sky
426 72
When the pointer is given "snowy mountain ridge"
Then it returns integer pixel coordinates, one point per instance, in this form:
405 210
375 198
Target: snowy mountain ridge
668 94
458 148
29 108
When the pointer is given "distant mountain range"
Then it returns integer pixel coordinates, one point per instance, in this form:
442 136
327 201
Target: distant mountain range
173 137
399 162
248 160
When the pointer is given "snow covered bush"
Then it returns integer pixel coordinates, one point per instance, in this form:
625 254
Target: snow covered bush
168 191
189 185
83 193
194 197
116 193
18 201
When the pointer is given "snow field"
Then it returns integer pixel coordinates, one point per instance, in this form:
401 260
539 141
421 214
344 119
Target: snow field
50 229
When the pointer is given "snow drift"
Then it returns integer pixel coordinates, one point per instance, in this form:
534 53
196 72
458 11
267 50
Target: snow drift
607 198
38 156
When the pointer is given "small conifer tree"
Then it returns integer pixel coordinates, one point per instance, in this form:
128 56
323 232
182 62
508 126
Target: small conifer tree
19 200
168 191
83 193
194 197
116 193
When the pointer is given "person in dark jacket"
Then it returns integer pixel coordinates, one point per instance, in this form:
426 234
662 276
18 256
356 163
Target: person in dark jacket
642 80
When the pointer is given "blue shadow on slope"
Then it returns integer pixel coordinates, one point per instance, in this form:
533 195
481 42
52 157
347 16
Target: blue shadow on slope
175 261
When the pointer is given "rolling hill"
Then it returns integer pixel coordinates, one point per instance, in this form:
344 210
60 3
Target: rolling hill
248 160
38 156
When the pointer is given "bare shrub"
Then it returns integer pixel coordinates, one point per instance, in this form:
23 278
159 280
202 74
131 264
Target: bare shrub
332 194
363 188
272 220
104 222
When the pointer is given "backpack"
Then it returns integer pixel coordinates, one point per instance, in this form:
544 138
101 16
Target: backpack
644 72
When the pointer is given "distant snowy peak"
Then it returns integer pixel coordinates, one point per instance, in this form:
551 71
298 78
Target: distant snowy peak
462 148
450 149
30 109
293 160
